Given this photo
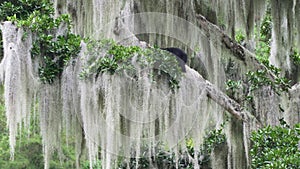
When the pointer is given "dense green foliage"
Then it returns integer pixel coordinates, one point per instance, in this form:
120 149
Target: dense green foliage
56 53
22 9
132 59
276 147
54 50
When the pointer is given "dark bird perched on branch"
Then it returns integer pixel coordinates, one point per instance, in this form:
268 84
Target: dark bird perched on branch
181 56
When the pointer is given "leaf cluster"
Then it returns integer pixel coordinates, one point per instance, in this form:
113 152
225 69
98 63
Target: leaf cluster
107 56
268 77
22 9
56 52
276 147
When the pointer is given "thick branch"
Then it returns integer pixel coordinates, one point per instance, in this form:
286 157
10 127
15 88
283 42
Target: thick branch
223 100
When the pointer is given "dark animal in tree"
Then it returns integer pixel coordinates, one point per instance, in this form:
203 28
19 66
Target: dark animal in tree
181 56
